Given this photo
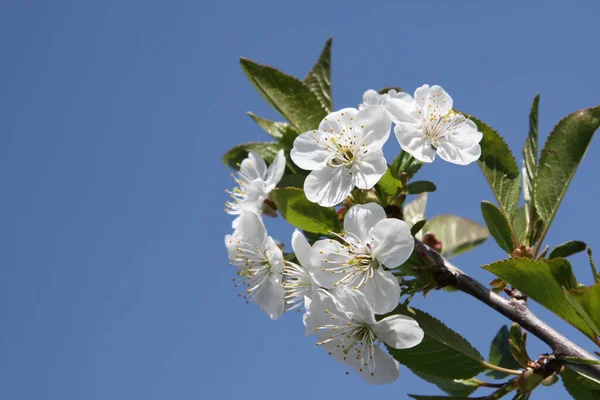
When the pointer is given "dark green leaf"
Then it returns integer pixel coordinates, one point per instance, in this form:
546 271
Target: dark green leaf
417 227
303 214
235 155
586 301
501 392
595 273
560 157
405 163
567 249
499 167
519 223
454 387
442 353
501 355
318 79
543 281
457 234
530 159
280 131
418 187
292 180
499 226
288 95
579 386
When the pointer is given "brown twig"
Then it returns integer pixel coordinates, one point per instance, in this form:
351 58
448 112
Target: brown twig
515 310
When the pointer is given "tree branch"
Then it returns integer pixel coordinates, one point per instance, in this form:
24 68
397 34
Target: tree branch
516 311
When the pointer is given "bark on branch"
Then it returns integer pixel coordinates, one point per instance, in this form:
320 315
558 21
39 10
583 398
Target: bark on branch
513 309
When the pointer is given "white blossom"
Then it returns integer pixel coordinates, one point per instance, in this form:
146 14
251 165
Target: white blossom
259 262
370 241
255 181
343 153
347 329
426 125
372 98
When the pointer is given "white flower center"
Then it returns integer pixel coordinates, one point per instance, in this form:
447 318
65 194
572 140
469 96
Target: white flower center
358 268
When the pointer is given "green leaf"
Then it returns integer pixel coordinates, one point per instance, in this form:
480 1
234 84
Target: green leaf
453 387
418 187
519 224
442 353
499 226
530 159
318 79
417 227
501 392
579 386
567 249
457 234
560 157
586 301
288 95
280 131
501 355
389 184
595 273
577 360
303 214
405 163
499 167
543 281
414 211
235 155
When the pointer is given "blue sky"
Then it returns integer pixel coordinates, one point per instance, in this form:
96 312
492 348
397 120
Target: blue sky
114 281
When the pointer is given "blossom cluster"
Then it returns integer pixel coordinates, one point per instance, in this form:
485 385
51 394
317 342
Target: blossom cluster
343 280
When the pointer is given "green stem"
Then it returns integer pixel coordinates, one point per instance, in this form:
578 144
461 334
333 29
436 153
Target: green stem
500 369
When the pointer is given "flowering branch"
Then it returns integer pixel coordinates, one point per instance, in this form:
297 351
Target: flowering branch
515 310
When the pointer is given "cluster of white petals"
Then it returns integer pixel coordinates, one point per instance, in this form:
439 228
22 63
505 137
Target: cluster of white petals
255 181
343 153
344 280
346 327
426 125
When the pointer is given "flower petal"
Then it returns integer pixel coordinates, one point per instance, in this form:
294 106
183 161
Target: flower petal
401 108
275 171
355 304
382 291
375 124
338 121
433 101
301 248
392 242
449 151
309 150
386 369
324 255
399 331
308 319
413 141
253 167
368 169
274 256
328 186
361 218
270 297
251 229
